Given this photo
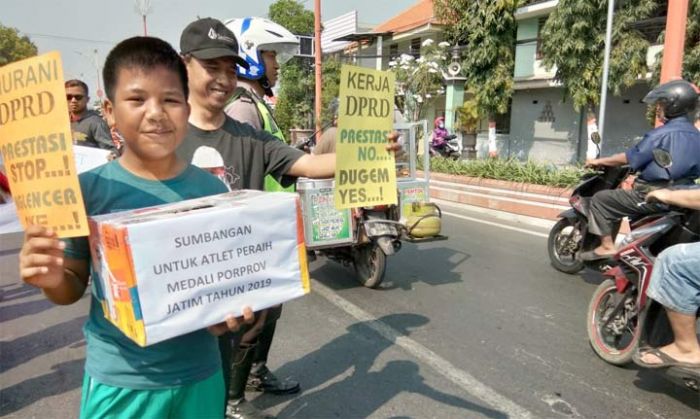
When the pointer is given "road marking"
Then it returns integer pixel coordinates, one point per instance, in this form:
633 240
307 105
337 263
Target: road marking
491 223
443 367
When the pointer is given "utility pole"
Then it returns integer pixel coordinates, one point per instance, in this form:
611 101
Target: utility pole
606 68
143 8
317 54
674 42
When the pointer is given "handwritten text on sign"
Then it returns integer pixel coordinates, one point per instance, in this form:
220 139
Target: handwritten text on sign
365 174
35 141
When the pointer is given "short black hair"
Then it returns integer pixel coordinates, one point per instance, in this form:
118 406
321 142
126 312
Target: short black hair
144 53
77 83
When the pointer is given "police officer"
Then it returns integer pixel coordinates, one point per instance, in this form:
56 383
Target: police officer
264 45
674 101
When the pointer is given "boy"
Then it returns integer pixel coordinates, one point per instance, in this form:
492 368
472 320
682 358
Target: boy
146 85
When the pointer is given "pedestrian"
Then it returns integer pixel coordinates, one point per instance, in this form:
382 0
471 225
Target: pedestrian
241 155
146 85
88 127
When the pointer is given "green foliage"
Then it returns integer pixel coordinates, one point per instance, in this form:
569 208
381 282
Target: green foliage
330 79
295 100
14 47
573 40
419 81
292 15
511 170
487 31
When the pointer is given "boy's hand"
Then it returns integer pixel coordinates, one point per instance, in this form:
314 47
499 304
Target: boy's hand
232 324
41 258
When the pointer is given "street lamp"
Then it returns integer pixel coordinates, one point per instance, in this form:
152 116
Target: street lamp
143 8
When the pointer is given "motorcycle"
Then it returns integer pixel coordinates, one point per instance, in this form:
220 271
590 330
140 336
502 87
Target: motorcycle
448 148
570 235
360 237
621 318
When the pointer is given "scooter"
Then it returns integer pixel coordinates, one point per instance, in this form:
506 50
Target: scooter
570 234
621 318
448 148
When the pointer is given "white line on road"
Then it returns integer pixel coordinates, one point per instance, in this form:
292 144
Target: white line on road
461 378
491 223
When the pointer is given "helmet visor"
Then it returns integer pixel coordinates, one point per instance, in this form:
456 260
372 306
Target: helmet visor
285 51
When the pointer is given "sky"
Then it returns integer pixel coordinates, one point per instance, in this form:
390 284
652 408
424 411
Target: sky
78 28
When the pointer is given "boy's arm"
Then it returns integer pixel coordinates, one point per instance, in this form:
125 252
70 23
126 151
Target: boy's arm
42 263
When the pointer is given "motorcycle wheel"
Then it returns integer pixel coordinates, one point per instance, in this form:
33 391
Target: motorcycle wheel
563 258
370 264
618 341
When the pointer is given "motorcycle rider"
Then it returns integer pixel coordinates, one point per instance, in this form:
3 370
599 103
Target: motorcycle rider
674 100
675 284
439 140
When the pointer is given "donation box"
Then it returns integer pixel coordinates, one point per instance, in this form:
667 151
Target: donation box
169 270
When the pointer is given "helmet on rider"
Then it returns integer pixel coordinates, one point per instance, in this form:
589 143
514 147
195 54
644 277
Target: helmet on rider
439 122
256 35
675 98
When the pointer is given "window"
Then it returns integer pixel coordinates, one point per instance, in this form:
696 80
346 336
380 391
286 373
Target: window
393 51
415 47
540 25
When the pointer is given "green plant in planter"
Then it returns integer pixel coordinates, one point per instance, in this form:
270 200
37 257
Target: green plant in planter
511 170
468 116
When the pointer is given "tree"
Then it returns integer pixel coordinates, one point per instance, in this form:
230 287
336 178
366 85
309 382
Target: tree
292 15
419 81
486 30
293 107
14 47
573 41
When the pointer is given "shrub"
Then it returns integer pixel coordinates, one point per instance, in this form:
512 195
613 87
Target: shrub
511 170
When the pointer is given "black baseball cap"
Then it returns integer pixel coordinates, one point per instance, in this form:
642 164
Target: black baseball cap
209 38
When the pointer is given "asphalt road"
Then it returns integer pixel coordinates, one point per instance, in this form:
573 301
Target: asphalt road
476 326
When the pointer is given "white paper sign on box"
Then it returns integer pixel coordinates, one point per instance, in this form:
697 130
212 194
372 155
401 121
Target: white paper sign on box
176 268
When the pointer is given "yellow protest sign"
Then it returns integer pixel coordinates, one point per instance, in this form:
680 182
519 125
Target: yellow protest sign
36 145
365 173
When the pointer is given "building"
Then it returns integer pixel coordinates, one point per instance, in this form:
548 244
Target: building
541 124
544 125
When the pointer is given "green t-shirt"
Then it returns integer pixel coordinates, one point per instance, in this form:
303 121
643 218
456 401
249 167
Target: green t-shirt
113 358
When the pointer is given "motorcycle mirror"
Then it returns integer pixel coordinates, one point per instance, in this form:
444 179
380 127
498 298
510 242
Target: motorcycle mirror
595 138
662 158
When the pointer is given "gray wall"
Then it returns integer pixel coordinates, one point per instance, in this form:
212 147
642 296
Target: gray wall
549 130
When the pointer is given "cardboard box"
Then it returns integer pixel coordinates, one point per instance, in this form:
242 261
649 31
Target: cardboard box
169 270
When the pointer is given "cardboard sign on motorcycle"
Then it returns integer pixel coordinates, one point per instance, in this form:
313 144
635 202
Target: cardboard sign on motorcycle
36 145
169 270
365 173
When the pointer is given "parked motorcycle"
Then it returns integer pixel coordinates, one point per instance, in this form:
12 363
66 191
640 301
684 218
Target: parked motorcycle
448 148
621 318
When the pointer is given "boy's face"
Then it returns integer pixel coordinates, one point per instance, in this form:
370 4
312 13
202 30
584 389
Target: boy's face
211 82
150 110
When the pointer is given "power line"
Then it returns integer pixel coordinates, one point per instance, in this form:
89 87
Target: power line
70 38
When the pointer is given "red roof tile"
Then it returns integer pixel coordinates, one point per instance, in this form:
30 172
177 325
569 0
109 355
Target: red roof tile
420 14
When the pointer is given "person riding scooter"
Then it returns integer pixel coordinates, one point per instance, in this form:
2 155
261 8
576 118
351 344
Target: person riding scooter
674 100
440 134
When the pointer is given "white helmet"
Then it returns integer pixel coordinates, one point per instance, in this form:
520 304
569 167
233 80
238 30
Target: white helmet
255 34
